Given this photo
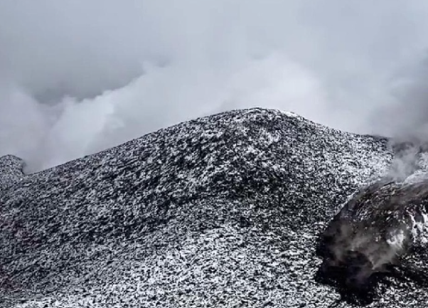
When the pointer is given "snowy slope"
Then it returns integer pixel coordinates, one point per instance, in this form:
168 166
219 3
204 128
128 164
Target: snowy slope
221 211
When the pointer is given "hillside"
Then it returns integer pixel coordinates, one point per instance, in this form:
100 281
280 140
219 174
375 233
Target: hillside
221 211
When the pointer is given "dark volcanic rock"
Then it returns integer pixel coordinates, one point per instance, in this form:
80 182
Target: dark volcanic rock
10 171
382 232
222 211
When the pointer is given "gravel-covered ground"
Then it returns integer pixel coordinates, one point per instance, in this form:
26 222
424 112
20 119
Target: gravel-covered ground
221 211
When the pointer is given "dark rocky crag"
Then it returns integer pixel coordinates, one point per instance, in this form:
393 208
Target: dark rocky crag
381 232
221 211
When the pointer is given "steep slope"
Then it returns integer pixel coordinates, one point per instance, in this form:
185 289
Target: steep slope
221 211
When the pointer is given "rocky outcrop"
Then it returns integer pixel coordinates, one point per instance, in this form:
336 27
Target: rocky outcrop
381 232
11 171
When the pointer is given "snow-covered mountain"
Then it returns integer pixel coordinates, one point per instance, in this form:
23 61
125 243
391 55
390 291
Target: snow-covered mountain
221 211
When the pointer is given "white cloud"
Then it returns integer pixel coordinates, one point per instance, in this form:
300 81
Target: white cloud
77 76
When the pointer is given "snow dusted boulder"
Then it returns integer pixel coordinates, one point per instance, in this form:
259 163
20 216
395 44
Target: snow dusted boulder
382 232
10 171
221 211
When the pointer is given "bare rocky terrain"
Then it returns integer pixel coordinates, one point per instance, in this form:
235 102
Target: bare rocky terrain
220 211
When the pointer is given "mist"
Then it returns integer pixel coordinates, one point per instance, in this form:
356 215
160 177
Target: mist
77 77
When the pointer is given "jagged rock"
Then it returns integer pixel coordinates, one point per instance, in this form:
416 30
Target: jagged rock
382 232
221 211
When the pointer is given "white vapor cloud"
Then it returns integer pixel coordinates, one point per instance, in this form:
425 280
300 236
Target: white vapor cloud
78 76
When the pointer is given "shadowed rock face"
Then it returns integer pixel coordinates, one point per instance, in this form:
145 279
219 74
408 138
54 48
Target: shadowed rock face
221 211
374 235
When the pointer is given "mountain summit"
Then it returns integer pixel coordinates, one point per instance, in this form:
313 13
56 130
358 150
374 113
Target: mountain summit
221 211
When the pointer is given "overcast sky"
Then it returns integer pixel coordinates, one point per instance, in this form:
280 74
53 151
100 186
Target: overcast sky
79 76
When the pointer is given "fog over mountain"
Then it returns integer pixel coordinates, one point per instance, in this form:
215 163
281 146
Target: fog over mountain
77 77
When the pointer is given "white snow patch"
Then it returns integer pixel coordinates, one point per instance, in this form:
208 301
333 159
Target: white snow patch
396 240
420 228
291 114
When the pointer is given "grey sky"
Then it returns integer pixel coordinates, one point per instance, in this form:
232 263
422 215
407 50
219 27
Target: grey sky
80 76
